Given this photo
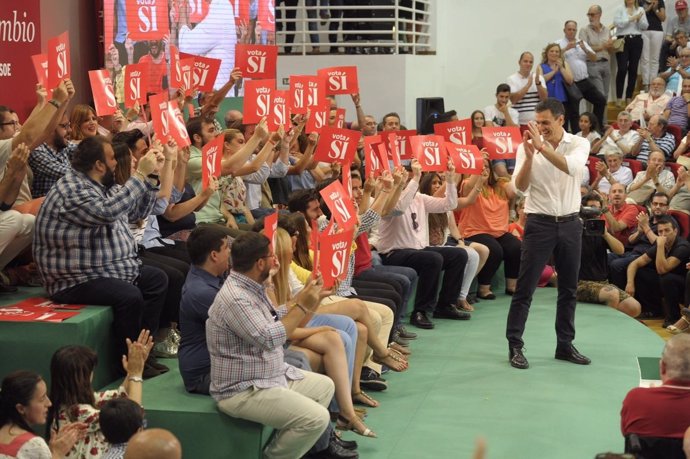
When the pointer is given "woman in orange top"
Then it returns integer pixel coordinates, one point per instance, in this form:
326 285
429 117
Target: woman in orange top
486 222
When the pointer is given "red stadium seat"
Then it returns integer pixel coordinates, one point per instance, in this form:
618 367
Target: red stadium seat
591 163
634 165
683 220
673 167
677 133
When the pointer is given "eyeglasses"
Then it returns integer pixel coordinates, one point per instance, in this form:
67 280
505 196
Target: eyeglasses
415 225
592 14
10 123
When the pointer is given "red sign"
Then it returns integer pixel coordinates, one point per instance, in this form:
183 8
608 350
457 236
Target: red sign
103 93
147 19
270 228
467 159
38 310
337 145
458 132
256 61
205 71
136 82
314 239
340 204
241 8
176 80
306 91
372 159
278 113
160 115
40 62
59 63
108 23
340 80
186 75
346 178
501 142
257 100
178 129
267 17
211 157
393 144
430 151
334 256
382 152
402 142
318 117
198 9
21 22
339 118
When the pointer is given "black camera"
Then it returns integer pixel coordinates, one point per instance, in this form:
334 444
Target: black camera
592 225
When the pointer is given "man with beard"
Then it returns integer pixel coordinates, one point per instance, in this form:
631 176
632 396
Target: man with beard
246 333
84 250
51 160
646 105
158 67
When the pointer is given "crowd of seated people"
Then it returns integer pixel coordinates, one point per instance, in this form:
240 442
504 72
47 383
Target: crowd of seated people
106 207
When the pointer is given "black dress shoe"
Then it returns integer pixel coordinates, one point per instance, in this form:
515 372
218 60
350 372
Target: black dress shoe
404 334
517 358
335 451
370 380
451 313
571 355
472 298
153 362
489 296
668 322
420 320
347 444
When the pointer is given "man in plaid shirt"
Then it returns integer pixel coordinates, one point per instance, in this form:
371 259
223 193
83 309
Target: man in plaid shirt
245 334
51 160
84 249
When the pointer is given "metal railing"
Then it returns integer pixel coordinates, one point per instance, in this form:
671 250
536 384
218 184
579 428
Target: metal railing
356 29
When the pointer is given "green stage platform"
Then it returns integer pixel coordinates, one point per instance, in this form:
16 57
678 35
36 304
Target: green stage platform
459 387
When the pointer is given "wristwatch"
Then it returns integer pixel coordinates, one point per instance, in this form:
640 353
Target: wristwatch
154 180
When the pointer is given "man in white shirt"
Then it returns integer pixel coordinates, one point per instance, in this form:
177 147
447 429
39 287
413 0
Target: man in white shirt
549 168
577 53
526 89
611 172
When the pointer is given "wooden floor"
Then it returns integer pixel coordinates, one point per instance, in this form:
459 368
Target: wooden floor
656 326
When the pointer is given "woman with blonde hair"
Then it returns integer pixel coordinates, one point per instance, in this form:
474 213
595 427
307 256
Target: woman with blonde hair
559 79
322 345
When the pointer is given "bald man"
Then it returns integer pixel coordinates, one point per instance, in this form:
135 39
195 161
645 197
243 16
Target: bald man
154 444
646 411
232 117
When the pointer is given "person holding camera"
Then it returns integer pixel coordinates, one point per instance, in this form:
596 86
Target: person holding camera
593 286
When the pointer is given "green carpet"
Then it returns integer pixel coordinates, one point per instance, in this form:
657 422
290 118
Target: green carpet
460 386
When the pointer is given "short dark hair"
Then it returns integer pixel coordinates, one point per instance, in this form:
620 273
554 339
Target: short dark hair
120 418
661 194
666 220
4 109
283 222
129 137
383 120
551 104
90 150
299 200
568 22
247 249
592 196
663 122
17 388
194 127
204 240
503 87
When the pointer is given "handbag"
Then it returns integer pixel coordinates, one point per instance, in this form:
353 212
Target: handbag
574 93
619 45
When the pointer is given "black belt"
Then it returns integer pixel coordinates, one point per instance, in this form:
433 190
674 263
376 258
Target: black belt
555 218
632 35
602 60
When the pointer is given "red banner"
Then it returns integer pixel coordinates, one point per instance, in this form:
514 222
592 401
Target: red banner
467 159
340 80
402 142
278 113
205 71
337 145
256 61
318 117
430 151
267 17
103 93
136 82
186 74
40 62
178 129
160 115
270 228
393 143
334 256
21 22
147 19
176 80
257 100
501 142
338 201
211 157
339 118
59 63
38 310
346 178
458 132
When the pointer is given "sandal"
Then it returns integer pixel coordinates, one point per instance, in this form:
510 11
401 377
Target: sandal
362 398
464 305
676 328
392 360
343 424
402 350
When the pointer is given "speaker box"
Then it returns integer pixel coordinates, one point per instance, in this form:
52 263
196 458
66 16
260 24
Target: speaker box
428 111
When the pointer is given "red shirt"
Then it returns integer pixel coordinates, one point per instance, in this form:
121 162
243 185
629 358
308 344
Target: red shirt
627 214
156 72
657 411
362 254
